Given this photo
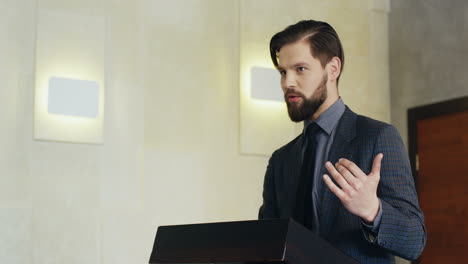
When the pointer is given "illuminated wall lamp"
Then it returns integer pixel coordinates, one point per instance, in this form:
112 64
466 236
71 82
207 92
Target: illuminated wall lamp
72 97
69 110
265 84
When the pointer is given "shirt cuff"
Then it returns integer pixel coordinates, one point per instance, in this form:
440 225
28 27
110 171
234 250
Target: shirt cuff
374 228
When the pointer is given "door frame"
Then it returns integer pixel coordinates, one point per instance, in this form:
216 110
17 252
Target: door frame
424 112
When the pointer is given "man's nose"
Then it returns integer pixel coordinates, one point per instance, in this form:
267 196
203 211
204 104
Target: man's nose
289 81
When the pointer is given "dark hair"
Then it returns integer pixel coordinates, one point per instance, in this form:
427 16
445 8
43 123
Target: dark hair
323 39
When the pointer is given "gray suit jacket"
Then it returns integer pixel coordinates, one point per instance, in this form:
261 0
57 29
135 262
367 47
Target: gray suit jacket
358 139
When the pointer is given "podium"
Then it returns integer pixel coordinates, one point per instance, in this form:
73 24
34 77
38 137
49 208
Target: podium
263 241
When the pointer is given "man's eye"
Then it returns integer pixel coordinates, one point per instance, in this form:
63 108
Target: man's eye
282 72
301 69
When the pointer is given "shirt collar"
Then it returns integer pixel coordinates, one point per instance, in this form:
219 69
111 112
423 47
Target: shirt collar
328 120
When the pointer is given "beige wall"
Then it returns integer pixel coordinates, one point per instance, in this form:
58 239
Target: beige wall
171 133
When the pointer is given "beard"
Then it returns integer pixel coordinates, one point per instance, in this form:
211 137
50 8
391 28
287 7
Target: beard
301 111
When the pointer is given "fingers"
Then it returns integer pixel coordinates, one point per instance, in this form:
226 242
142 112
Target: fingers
352 167
337 176
349 177
377 164
333 188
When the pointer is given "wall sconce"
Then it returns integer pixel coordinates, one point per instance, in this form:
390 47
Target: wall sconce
69 110
73 97
265 84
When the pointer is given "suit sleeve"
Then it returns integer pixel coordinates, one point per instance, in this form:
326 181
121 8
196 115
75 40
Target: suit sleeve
401 229
269 208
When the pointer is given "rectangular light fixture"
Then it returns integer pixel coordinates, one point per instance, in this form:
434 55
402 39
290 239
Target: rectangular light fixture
265 84
73 97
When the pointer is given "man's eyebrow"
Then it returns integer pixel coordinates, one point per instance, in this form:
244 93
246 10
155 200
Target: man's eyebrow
299 64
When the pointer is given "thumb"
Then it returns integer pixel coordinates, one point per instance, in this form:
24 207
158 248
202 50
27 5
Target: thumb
377 164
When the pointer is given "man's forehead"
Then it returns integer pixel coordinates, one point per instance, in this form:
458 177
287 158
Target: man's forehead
291 55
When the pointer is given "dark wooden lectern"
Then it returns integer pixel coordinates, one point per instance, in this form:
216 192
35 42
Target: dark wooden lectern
264 241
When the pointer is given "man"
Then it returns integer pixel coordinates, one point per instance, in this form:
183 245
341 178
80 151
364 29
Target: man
346 177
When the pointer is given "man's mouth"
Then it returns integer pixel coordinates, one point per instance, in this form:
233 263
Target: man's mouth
293 98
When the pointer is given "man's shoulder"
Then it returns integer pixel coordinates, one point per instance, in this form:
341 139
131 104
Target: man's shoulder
352 124
367 126
370 123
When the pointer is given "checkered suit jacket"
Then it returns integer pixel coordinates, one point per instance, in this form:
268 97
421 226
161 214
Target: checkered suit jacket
358 139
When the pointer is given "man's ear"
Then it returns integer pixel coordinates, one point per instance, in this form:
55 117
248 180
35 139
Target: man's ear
334 68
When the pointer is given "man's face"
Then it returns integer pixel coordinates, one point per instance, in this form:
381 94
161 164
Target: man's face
303 80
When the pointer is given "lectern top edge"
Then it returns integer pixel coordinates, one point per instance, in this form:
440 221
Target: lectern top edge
285 221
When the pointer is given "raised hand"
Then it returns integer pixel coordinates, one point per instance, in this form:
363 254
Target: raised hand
357 191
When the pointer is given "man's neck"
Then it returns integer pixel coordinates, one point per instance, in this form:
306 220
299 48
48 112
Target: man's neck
329 102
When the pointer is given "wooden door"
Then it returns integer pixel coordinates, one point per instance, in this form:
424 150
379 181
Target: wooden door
442 176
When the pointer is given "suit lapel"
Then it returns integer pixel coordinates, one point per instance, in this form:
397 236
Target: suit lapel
346 132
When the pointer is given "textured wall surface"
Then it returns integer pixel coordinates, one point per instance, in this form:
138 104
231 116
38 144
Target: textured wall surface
171 126
428 54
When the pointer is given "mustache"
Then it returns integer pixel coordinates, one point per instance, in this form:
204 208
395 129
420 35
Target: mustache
293 93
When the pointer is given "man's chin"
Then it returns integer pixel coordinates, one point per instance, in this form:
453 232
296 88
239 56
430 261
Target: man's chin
296 119
296 116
